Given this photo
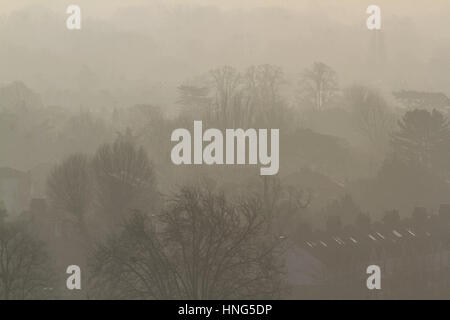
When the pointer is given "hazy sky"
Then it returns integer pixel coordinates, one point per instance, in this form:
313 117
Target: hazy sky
136 42
432 15
105 7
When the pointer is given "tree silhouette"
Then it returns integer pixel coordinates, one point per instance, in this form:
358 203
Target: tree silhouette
230 98
221 249
124 179
133 265
69 187
423 139
227 88
372 115
262 104
317 85
83 132
24 265
206 248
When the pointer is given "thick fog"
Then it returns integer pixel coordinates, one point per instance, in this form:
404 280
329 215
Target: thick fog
87 169
142 49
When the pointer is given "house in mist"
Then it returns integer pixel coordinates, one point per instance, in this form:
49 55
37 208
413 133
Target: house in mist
422 100
412 253
15 190
303 273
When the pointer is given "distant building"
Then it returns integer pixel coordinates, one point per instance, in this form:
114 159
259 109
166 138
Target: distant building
15 190
422 100
413 254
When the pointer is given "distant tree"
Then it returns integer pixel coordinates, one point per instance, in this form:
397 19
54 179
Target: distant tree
24 266
207 248
83 132
124 179
263 103
226 83
151 129
371 113
317 86
423 138
228 97
69 188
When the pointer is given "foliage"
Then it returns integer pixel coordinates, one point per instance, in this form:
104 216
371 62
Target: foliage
423 139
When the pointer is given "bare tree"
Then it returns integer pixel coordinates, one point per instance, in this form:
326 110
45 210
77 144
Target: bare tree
372 115
207 248
318 85
231 98
263 100
227 89
24 266
222 250
133 265
69 188
124 179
